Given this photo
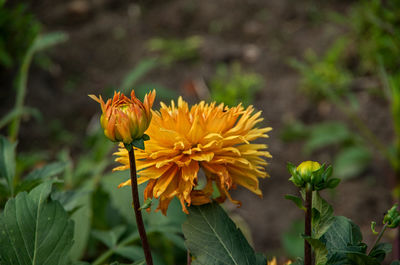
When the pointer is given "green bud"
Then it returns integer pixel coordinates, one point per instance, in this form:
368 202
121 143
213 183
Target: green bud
392 217
306 170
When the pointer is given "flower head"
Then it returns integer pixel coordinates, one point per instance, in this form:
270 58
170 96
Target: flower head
124 119
211 137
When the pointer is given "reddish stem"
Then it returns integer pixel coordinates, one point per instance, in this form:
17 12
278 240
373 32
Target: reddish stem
136 206
307 227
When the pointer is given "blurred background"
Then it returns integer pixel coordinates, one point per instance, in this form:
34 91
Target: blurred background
325 74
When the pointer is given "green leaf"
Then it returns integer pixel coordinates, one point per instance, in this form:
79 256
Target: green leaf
342 233
37 176
380 251
213 239
80 204
396 262
261 259
324 218
320 251
351 161
333 183
130 252
298 201
48 40
7 162
109 238
139 143
34 231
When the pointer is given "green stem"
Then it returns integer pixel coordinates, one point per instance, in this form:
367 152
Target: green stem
21 92
378 238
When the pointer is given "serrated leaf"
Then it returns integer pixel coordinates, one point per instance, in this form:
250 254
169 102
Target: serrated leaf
298 201
34 231
324 218
212 238
7 162
342 233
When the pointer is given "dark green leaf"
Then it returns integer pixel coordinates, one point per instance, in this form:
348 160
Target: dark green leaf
146 137
138 143
341 233
213 239
7 162
291 168
332 183
298 201
396 262
261 259
380 251
34 231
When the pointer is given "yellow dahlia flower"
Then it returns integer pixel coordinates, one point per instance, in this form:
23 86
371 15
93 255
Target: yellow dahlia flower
211 137
273 262
124 119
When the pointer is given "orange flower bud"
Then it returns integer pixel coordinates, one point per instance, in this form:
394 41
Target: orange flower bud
124 119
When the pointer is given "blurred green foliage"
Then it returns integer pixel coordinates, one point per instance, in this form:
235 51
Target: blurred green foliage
369 49
325 75
175 50
18 30
232 85
351 158
375 26
104 223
